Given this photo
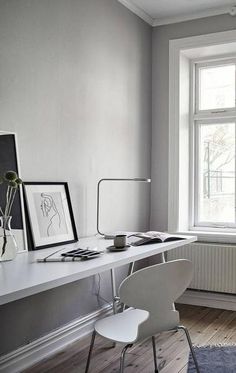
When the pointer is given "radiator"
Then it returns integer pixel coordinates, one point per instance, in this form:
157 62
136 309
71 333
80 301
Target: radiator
214 266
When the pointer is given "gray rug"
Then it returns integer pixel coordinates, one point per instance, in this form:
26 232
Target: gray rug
214 359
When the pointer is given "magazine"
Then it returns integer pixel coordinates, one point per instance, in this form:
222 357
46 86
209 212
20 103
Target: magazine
152 237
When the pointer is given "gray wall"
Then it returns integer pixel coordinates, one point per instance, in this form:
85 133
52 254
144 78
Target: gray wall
75 85
160 99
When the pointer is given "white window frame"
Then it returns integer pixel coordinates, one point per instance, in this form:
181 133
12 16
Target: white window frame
210 63
180 205
203 117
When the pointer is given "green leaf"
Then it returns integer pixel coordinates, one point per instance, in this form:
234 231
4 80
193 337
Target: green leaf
13 184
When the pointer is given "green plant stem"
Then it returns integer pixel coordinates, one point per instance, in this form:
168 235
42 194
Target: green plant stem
12 200
7 199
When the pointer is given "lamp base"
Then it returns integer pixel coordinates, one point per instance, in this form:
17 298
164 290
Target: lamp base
112 235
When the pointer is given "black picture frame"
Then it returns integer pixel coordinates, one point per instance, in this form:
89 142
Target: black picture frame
9 160
49 214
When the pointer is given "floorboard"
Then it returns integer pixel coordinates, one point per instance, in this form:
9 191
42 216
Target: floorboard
206 326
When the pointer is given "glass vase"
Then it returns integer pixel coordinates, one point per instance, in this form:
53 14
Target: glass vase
8 246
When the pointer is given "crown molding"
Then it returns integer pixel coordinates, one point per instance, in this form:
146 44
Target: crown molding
138 11
191 16
175 19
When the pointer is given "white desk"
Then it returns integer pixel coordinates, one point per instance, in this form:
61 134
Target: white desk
24 276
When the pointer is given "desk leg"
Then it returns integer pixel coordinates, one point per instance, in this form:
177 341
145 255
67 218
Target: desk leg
113 289
131 268
163 259
130 271
113 286
114 295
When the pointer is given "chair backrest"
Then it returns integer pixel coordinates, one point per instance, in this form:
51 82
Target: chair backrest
155 289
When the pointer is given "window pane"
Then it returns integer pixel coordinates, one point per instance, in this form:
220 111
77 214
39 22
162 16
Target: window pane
217 173
217 87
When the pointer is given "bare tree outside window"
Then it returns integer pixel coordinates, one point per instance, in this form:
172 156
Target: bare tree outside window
217 165
214 120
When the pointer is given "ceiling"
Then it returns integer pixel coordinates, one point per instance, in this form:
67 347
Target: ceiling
158 12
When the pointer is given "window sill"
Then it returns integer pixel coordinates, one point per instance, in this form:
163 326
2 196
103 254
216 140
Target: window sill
207 236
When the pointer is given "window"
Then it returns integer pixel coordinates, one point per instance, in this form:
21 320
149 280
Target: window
214 120
216 86
201 158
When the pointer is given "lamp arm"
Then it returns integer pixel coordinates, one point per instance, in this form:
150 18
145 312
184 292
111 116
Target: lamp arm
98 198
113 179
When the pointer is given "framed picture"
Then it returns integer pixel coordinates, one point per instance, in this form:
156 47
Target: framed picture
50 214
9 160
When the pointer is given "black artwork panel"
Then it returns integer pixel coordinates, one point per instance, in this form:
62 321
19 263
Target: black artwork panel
8 161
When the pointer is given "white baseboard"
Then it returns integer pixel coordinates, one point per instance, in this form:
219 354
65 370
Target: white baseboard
206 299
32 353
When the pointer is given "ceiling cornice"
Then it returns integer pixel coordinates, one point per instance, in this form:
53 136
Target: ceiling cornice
191 16
138 11
176 19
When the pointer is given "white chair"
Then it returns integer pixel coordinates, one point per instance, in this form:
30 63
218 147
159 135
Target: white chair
150 292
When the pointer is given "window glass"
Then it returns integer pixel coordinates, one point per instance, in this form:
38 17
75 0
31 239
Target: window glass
217 87
216 173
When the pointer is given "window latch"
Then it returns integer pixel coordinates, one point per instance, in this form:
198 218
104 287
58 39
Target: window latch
219 226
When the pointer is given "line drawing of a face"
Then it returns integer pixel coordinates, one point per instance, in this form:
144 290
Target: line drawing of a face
50 211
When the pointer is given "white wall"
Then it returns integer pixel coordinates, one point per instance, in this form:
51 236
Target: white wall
75 85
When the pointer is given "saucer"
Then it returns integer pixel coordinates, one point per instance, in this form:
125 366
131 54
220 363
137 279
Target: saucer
114 248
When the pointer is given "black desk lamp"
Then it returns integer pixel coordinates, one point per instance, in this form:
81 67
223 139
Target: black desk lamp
138 179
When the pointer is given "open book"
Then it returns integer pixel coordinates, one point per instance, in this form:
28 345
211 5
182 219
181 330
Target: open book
152 237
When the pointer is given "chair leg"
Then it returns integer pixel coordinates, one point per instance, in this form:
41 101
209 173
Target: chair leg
154 354
90 351
122 358
190 346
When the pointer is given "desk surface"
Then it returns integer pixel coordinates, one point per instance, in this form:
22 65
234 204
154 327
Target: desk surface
23 276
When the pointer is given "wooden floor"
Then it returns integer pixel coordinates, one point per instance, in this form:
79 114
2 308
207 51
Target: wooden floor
206 326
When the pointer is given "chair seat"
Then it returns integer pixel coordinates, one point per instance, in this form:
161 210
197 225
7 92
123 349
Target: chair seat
122 327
